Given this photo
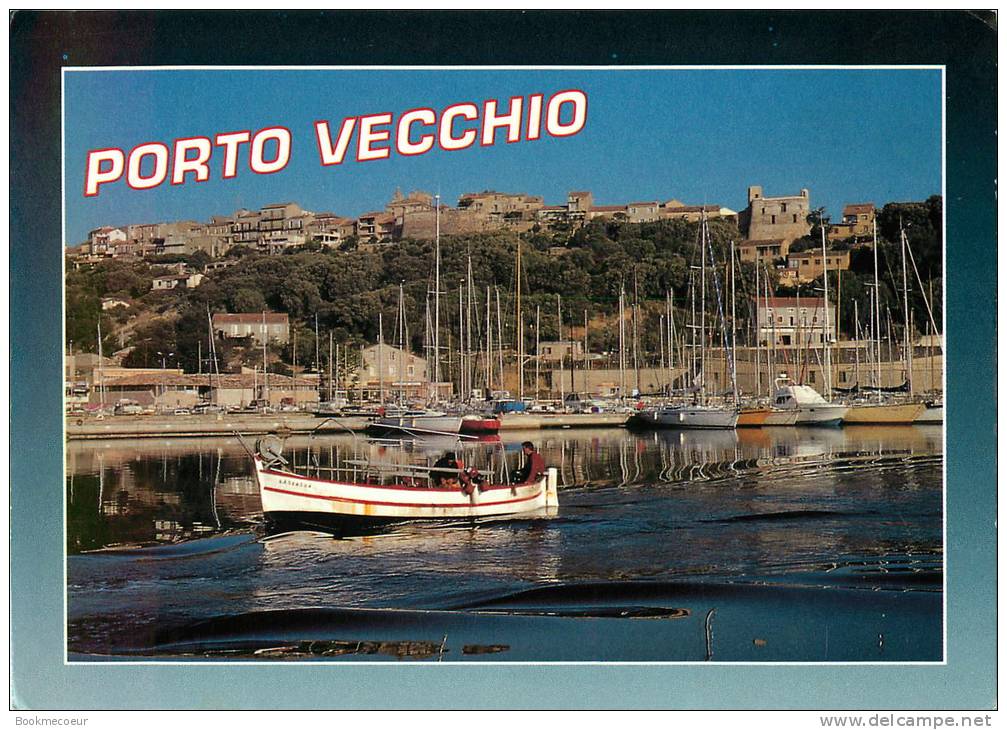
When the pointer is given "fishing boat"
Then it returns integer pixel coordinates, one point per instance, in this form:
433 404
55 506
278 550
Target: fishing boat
415 421
385 493
811 408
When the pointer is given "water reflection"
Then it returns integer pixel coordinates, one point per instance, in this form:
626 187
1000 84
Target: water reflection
152 491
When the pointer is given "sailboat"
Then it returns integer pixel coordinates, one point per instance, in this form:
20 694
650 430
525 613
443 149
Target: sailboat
700 414
882 412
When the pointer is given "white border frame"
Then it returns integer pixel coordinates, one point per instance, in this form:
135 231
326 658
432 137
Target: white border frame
826 67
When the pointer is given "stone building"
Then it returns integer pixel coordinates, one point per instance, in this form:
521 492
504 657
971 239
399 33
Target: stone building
783 216
857 222
808 265
763 252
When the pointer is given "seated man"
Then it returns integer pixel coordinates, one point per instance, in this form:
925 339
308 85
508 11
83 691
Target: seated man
533 467
445 472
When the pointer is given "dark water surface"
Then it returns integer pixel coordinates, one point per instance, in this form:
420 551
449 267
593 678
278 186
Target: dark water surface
757 545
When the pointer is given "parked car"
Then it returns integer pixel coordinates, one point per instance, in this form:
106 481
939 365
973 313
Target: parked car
126 407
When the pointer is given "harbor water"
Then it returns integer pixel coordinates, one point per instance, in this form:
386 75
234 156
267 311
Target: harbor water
785 544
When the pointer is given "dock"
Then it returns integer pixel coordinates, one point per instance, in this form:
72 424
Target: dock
79 427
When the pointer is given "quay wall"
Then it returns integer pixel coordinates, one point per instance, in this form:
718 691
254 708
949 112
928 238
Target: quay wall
87 427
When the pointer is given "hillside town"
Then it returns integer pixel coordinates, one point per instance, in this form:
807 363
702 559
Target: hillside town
770 224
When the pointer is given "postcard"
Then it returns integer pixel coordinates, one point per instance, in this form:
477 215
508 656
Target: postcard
574 376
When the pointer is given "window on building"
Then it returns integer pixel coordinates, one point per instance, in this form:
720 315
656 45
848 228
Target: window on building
773 219
783 208
811 376
795 217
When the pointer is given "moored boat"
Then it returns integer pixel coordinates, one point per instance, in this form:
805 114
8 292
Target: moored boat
883 413
686 417
811 408
781 418
753 417
416 422
478 424
932 413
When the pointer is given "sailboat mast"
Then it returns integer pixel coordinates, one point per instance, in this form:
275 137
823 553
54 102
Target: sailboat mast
437 289
470 369
265 364
702 313
636 337
538 349
758 334
907 350
462 369
877 312
500 339
734 330
856 330
381 363
559 336
518 326
489 347
622 342
101 369
694 364
826 338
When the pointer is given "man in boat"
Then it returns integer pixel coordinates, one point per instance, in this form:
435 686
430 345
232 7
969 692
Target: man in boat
533 467
445 473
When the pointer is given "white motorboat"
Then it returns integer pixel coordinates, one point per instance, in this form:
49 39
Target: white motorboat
812 409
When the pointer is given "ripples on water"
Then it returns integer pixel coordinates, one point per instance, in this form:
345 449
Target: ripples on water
793 533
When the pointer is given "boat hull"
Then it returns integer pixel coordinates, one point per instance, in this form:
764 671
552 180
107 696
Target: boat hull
931 415
826 414
286 496
883 413
421 424
686 418
753 417
480 425
781 418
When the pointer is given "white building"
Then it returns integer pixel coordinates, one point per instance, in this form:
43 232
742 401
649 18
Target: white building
795 321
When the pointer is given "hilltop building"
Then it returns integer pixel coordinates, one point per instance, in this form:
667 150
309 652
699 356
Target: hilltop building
781 217
858 222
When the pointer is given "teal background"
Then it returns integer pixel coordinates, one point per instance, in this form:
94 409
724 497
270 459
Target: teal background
43 42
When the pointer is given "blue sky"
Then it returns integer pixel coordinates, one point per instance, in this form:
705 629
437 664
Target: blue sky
701 136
